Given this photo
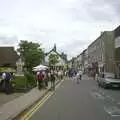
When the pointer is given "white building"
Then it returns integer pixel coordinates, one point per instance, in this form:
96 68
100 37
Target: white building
62 58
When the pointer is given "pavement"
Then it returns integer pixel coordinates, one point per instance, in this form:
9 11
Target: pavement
9 109
4 98
84 101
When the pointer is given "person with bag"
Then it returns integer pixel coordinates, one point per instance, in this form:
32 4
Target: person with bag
40 77
8 86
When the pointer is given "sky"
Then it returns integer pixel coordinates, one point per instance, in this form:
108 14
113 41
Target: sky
71 24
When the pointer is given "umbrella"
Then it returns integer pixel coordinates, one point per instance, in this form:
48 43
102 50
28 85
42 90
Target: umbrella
35 70
40 67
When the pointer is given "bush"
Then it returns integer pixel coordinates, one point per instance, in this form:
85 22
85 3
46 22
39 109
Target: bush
30 79
23 83
20 81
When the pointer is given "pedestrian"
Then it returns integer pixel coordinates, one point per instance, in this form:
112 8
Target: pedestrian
7 77
79 76
12 76
40 77
81 73
96 77
59 75
52 80
2 82
46 79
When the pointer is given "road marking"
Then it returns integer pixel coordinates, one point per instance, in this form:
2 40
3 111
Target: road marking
97 95
106 96
113 111
37 106
30 113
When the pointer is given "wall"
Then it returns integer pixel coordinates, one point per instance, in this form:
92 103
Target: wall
96 51
109 51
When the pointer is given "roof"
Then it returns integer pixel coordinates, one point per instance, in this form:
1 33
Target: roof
97 39
102 34
117 31
82 53
8 56
54 50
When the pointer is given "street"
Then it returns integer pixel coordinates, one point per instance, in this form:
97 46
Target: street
84 101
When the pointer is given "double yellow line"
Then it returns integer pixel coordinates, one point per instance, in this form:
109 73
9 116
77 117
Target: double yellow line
30 113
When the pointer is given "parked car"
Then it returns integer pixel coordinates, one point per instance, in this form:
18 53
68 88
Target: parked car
108 80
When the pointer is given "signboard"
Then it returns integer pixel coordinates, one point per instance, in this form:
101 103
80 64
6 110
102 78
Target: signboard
117 42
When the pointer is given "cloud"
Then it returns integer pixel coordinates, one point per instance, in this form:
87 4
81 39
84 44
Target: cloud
103 10
8 40
115 5
71 24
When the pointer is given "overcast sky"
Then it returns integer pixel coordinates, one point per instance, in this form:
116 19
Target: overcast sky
71 24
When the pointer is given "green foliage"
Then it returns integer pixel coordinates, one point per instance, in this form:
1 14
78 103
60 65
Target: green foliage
26 81
20 81
32 53
53 59
30 79
7 69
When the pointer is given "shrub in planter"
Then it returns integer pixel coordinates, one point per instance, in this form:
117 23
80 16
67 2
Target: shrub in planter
19 84
30 79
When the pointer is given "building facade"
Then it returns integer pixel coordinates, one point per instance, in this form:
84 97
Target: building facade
117 50
62 60
101 53
85 61
78 62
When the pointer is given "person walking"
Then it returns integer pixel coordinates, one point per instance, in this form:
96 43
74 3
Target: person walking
46 79
81 73
40 77
52 80
7 77
2 82
59 75
79 76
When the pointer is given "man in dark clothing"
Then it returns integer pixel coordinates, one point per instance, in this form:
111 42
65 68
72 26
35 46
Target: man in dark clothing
52 80
46 79
8 86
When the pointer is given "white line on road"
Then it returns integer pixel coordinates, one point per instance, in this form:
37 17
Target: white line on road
97 95
112 111
106 96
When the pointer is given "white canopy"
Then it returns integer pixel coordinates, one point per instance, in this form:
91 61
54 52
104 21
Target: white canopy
40 67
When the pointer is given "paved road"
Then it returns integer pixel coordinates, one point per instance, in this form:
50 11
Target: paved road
84 101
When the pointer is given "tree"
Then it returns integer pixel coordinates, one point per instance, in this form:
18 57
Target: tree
53 59
32 53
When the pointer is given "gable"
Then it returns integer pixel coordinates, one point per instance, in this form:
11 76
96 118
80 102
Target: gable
61 60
